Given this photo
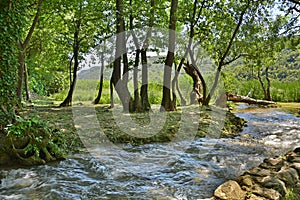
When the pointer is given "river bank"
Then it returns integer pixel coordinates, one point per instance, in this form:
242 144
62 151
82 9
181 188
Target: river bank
177 170
276 178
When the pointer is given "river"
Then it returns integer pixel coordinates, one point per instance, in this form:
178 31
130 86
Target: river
192 173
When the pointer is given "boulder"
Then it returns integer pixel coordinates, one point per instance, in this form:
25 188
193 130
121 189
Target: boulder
267 193
296 166
294 158
245 181
230 190
257 171
297 149
254 197
273 163
289 176
272 183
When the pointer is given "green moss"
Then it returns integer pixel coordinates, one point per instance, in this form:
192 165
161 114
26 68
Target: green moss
30 141
292 194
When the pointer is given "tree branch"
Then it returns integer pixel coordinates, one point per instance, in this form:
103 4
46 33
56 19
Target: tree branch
33 25
221 63
295 1
232 60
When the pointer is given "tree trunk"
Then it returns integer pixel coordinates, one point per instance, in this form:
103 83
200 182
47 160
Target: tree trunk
269 98
97 100
262 84
22 49
221 62
119 84
70 70
125 67
26 83
21 61
204 87
144 88
166 104
111 88
137 105
245 99
196 94
191 35
136 101
182 99
68 99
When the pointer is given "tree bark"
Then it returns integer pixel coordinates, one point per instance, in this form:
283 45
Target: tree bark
166 104
262 83
21 61
119 84
182 99
144 88
97 100
204 87
137 105
22 49
136 101
223 57
245 99
68 99
111 89
268 97
196 94
26 83
191 35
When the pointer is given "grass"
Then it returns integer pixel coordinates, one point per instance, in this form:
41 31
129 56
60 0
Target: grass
280 91
191 121
86 90
292 194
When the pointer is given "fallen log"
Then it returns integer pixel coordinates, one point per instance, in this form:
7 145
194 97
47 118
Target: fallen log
246 99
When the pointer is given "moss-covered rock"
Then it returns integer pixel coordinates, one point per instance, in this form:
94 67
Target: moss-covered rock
30 142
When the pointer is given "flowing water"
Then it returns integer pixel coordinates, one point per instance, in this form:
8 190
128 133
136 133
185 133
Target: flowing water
138 173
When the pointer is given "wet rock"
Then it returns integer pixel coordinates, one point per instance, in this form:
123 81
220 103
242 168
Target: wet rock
254 197
270 194
297 149
294 159
257 171
273 163
289 176
296 166
270 180
230 190
245 181
272 183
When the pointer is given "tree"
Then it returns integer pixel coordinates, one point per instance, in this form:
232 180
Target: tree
22 57
144 88
137 104
82 21
97 99
27 141
198 81
272 37
120 84
222 54
166 103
